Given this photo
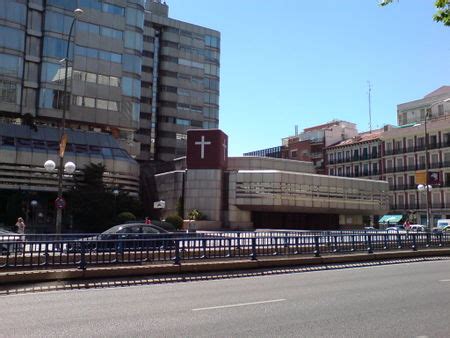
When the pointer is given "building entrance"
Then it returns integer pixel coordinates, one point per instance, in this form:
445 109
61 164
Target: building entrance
300 221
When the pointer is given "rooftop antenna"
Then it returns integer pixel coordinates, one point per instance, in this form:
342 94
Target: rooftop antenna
370 107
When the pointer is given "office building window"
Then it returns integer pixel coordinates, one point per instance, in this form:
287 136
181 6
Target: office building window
131 87
12 11
56 48
9 91
134 17
56 22
133 40
10 65
132 63
11 38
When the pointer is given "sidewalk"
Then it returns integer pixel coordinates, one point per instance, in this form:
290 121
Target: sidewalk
36 276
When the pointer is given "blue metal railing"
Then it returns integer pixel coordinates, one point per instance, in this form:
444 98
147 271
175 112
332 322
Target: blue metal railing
20 251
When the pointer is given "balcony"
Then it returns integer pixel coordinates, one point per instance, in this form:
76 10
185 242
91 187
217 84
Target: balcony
356 158
410 167
436 165
390 170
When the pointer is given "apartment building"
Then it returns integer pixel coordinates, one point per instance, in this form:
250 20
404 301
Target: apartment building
310 144
359 156
404 158
415 111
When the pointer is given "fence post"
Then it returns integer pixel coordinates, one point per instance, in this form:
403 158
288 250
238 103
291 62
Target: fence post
369 244
353 243
83 264
428 240
177 259
238 241
399 241
204 248
286 240
296 245
316 246
253 254
229 248
335 244
414 246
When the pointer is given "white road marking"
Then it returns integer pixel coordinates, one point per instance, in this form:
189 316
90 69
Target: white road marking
444 280
240 304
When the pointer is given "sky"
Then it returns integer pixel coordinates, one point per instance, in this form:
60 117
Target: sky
306 62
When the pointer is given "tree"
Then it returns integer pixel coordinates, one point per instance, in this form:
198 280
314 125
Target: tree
93 205
442 14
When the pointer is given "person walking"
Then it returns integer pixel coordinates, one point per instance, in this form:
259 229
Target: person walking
20 224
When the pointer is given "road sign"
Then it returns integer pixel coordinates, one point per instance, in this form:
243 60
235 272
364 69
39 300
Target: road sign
159 204
60 203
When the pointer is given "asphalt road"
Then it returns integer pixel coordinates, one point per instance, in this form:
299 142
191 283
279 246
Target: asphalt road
405 300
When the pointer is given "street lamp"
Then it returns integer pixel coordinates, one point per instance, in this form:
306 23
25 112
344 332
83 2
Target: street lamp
427 186
60 204
69 167
115 193
33 204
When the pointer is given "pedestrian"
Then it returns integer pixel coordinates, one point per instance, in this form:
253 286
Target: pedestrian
20 224
147 220
407 225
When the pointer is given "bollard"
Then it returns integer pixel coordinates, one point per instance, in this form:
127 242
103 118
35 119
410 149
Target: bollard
253 254
369 244
83 263
316 246
177 258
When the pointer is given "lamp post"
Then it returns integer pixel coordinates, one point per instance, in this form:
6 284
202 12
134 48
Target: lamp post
115 193
60 203
33 204
427 186
62 136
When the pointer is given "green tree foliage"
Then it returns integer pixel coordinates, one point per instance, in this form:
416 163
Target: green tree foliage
93 205
442 14
175 220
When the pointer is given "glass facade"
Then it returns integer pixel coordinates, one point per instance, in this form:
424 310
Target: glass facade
10 65
13 11
12 38
98 54
56 48
9 91
131 87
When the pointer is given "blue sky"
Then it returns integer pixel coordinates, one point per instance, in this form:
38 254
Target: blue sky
306 62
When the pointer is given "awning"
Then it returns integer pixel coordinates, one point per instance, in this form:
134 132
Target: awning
392 219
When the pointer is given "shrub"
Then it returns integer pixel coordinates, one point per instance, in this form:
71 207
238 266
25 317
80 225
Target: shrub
125 216
196 215
175 220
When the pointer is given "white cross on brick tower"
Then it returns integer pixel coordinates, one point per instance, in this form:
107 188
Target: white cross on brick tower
202 143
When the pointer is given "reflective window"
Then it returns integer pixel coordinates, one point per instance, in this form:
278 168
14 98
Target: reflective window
136 111
212 41
11 38
52 72
131 87
9 91
98 54
99 30
56 22
51 98
90 102
113 9
190 63
10 65
56 48
68 4
88 27
133 40
12 11
135 17
132 63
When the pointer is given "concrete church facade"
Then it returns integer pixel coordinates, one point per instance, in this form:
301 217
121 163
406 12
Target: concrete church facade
258 192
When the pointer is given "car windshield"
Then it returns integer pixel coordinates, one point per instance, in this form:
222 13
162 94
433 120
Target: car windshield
113 230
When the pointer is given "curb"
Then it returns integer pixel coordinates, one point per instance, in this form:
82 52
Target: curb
37 276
